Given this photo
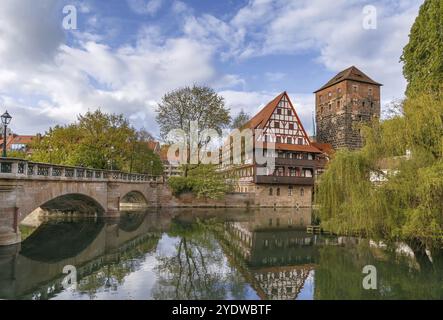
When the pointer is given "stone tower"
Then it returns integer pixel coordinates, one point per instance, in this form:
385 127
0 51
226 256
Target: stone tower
347 100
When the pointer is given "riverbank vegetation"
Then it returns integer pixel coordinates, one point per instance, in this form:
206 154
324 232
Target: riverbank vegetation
202 180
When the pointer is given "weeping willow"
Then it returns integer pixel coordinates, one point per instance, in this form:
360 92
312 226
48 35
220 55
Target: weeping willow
406 151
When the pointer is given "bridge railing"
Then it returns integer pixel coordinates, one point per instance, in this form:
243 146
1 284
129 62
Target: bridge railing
23 169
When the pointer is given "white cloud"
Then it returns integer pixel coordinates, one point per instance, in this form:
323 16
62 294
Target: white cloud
150 7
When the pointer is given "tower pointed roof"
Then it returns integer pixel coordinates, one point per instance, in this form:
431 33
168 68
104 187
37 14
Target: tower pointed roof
351 73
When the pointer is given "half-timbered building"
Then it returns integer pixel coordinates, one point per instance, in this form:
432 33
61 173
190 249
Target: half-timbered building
278 134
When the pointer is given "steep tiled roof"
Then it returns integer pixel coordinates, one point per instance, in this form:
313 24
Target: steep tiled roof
351 73
261 118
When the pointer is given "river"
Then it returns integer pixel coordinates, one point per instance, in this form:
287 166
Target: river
209 254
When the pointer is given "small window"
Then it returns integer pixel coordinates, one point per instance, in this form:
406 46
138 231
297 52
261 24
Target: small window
339 90
270 191
329 94
291 126
276 124
330 106
289 112
302 192
278 111
289 140
338 104
321 98
278 191
372 104
363 104
300 141
322 109
370 91
354 88
278 139
290 191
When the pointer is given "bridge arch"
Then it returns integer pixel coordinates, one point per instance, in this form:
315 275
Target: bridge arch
134 197
74 202
86 198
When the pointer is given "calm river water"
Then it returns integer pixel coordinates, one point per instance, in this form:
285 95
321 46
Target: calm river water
209 254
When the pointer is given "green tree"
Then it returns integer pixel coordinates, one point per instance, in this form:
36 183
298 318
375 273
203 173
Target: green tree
203 181
422 56
240 120
98 140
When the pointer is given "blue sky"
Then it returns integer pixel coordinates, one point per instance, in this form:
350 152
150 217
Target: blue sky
125 54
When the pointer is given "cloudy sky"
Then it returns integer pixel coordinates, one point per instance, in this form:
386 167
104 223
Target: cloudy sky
125 54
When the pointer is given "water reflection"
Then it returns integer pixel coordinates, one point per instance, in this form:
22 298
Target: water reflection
210 254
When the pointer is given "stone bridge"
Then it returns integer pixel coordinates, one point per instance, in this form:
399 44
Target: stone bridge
26 186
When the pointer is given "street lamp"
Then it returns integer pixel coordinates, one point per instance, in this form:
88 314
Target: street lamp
6 119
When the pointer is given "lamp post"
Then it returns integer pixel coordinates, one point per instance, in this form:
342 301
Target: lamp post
6 119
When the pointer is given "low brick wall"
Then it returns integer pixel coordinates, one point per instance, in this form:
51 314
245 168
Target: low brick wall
231 200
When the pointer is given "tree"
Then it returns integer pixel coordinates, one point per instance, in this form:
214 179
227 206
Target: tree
240 120
202 180
192 104
98 140
422 56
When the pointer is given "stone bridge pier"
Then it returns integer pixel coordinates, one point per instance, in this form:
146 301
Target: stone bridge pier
26 186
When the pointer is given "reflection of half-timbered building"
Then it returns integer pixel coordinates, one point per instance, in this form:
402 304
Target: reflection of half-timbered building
278 134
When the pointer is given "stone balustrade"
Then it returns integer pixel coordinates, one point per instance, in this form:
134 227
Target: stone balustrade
13 168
